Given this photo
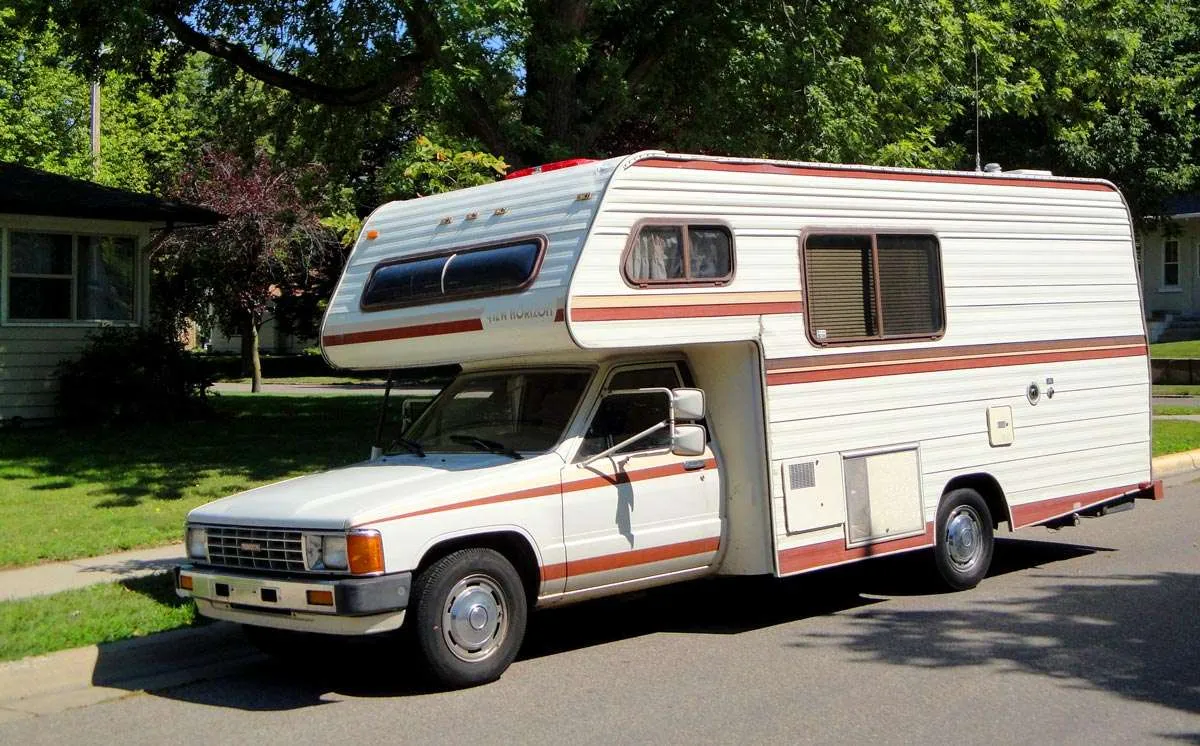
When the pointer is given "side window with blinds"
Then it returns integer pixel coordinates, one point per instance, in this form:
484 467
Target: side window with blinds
863 286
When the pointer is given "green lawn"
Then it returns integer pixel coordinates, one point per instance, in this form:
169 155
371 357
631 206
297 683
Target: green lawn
88 616
1167 389
67 493
1172 409
1190 348
1174 436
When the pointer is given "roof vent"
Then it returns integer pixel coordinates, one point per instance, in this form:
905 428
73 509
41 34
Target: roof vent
1031 172
992 168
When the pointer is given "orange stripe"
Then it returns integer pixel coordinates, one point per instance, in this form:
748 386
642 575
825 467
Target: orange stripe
654 472
1044 510
619 560
403 332
851 173
625 313
928 366
835 552
892 355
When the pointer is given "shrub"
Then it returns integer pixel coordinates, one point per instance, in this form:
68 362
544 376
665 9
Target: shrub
132 375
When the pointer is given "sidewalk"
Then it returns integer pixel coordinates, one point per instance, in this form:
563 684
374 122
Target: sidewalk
324 389
61 576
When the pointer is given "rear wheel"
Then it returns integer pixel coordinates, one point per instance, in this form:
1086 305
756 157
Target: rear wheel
469 616
963 552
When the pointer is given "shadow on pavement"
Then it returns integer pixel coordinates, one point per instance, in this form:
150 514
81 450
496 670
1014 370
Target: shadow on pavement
380 668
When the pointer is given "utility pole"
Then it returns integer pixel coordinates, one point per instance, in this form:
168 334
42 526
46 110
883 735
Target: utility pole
95 128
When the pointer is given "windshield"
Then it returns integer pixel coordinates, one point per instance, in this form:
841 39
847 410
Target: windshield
503 412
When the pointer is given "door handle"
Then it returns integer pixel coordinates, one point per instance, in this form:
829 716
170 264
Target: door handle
693 465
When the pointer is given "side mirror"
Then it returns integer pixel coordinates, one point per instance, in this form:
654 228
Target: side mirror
688 440
688 404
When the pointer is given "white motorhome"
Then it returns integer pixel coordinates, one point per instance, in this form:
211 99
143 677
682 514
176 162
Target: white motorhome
676 366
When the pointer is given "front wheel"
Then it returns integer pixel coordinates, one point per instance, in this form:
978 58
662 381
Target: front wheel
469 616
963 551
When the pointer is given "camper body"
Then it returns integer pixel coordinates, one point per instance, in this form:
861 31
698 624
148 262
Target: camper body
675 366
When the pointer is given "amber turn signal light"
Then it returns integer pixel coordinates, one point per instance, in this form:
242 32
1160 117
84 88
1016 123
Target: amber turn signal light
185 582
319 598
365 550
372 235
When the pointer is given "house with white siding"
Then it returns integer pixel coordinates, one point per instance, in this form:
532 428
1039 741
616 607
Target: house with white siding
74 256
1171 271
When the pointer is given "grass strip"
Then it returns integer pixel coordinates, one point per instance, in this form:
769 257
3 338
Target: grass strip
92 615
1176 350
1175 436
1169 409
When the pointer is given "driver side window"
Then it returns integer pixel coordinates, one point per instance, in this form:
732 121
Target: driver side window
623 416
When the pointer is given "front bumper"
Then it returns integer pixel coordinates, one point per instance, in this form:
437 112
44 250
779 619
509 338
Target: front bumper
355 606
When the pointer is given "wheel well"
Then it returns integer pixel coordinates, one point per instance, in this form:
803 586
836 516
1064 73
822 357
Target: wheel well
515 548
989 489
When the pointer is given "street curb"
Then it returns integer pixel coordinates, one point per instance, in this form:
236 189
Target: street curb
85 676
1176 463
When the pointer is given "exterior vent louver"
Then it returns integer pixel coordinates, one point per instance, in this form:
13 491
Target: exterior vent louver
802 476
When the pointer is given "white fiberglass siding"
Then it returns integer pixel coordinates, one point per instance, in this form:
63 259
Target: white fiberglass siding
547 205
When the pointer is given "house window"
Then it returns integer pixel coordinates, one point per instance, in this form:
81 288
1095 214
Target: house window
64 277
489 270
1170 263
865 286
661 254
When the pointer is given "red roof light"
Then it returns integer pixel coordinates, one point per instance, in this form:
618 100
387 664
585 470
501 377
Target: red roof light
549 167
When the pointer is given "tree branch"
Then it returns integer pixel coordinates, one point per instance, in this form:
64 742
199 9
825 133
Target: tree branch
405 72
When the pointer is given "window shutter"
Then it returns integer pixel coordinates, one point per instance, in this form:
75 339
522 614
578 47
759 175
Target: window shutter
909 287
841 293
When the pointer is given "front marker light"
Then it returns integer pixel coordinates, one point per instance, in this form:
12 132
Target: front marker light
365 550
197 543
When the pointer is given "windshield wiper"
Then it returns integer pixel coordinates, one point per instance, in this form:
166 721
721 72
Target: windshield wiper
484 444
410 445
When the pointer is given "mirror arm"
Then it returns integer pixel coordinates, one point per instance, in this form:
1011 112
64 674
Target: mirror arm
613 449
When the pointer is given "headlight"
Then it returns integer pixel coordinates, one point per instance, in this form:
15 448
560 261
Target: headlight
197 543
325 552
333 552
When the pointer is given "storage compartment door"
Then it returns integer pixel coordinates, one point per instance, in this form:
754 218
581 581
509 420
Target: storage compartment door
883 496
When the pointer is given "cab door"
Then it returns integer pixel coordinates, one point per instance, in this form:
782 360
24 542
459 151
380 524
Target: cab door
642 511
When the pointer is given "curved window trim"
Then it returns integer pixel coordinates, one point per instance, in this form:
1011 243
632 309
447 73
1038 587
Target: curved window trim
538 239
683 225
872 232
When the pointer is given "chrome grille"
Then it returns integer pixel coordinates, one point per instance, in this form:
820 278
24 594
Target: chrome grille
256 548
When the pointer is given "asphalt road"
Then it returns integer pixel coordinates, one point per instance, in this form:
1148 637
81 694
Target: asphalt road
1090 635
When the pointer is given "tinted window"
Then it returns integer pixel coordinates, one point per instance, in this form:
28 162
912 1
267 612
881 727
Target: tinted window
491 270
488 271
418 281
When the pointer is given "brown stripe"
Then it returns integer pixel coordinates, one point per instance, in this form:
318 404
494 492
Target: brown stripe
625 313
559 315
403 332
1000 361
619 560
835 552
850 173
1044 510
653 472
887 356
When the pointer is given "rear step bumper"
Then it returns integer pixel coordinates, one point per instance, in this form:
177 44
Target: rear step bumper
1146 491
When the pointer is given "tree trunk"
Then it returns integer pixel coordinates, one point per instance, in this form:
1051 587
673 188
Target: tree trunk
251 363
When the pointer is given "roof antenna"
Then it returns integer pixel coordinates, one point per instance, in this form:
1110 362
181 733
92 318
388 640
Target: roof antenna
978 165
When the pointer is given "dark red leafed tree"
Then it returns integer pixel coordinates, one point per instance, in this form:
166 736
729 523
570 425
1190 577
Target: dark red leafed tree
271 243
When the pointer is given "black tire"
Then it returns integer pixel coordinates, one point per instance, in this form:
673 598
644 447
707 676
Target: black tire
964 544
468 617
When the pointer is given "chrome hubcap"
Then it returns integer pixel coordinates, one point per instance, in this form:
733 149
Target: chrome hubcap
474 619
964 537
